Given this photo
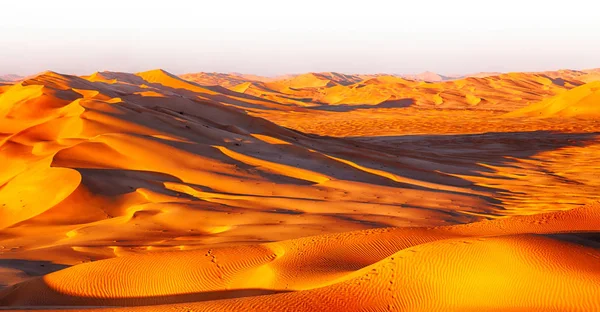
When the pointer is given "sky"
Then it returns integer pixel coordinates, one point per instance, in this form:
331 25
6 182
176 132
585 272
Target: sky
269 38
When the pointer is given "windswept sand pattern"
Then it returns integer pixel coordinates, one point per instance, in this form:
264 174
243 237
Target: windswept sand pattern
377 270
315 192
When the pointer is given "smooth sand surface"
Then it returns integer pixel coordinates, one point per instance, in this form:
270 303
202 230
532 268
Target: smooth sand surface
582 102
315 192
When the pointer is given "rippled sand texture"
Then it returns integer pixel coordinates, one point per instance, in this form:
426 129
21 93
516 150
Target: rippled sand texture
317 192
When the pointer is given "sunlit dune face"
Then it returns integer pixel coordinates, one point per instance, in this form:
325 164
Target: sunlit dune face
314 192
149 94
581 102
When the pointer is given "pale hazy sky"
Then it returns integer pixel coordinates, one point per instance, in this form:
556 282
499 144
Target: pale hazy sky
274 37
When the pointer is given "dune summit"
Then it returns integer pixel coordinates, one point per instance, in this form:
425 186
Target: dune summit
316 192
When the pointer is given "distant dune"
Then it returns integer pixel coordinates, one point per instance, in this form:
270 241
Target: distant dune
10 78
219 79
582 102
316 192
428 76
485 91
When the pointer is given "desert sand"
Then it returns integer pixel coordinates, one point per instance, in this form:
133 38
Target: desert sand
314 192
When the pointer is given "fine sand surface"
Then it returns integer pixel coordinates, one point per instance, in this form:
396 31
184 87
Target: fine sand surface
314 192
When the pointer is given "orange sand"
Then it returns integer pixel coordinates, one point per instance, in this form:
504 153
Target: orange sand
315 192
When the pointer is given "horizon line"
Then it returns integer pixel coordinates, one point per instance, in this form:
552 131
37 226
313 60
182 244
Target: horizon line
453 75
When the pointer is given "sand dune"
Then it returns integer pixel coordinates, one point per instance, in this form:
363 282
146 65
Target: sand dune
583 102
505 92
218 79
315 192
229 79
428 76
473 267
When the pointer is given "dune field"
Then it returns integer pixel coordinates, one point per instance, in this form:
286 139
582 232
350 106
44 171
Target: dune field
316 192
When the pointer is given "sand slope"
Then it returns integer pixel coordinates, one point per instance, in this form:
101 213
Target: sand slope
486 265
583 102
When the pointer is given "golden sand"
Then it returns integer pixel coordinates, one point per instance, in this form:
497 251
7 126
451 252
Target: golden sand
315 192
